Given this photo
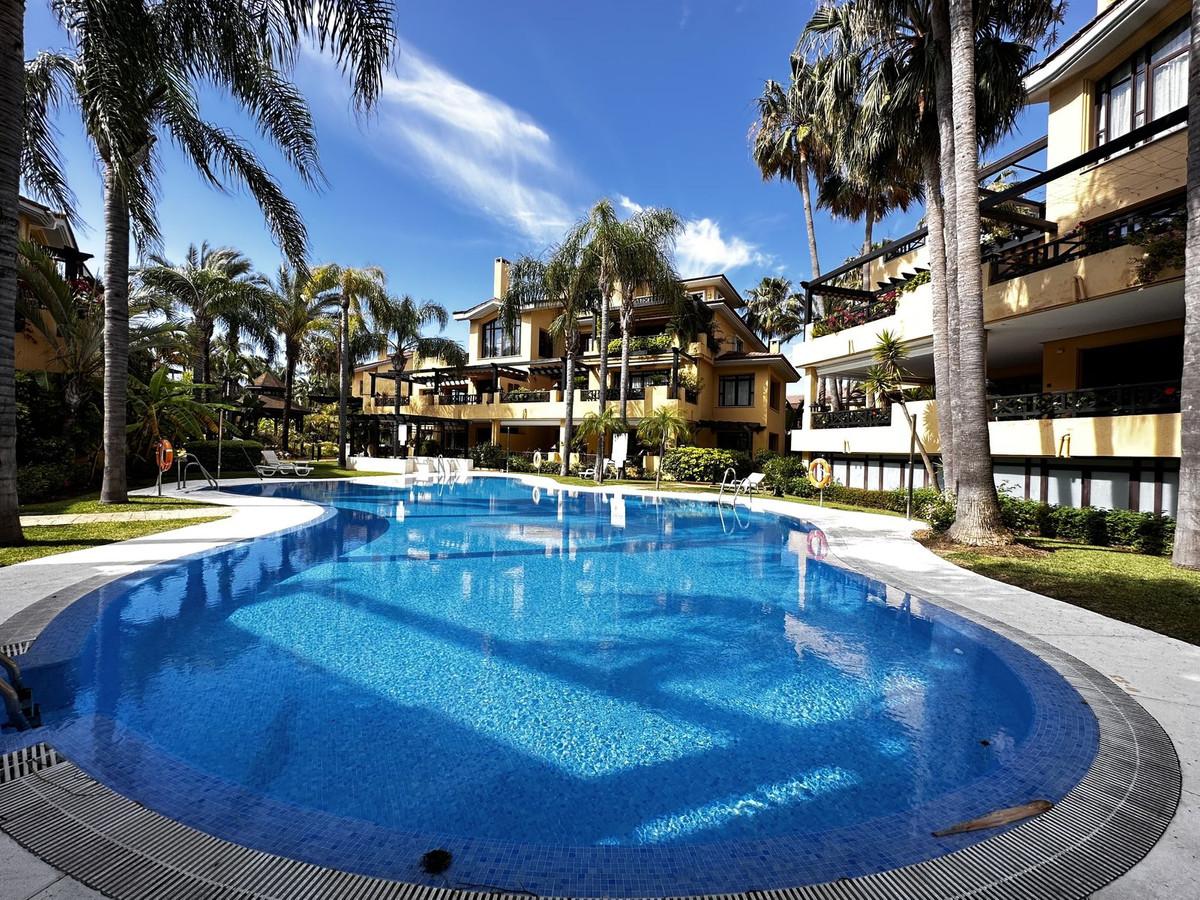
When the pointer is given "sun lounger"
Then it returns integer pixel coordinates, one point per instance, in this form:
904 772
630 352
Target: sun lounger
273 465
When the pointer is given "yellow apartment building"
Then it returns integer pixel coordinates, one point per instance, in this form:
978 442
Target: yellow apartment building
50 229
1083 291
728 384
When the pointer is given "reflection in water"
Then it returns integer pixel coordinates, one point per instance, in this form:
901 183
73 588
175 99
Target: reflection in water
554 667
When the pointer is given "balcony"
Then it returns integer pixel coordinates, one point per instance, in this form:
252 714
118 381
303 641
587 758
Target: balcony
1119 400
521 395
869 417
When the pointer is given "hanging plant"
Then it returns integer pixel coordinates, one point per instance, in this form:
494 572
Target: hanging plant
1163 243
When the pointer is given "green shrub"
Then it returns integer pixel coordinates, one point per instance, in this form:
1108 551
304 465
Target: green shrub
236 454
1084 525
519 464
488 456
782 471
701 463
656 343
48 481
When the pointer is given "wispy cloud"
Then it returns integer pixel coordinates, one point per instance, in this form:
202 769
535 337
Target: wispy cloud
703 250
493 158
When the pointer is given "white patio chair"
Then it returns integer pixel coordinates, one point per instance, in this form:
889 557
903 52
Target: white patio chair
273 465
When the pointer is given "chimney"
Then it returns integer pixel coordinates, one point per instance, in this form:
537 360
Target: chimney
500 277
775 347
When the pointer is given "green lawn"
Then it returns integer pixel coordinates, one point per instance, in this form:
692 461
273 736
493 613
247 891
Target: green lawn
1132 587
90 503
47 540
324 469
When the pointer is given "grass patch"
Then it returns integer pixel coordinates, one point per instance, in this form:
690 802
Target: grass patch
90 503
319 470
47 540
1121 584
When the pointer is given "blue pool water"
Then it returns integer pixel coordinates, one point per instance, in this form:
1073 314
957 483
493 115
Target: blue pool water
574 693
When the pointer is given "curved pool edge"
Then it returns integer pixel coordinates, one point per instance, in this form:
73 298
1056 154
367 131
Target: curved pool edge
1106 824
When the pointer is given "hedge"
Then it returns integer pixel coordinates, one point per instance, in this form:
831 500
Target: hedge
49 481
704 464
488 456
236 454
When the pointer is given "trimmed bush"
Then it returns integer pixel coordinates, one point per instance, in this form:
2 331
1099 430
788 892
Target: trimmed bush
519 464
48 481
702 463
236 454
488 456
782 471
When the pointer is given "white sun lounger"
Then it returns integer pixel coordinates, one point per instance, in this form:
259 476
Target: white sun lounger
273 465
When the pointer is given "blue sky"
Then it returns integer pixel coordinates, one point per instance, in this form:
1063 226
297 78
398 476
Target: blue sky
502 122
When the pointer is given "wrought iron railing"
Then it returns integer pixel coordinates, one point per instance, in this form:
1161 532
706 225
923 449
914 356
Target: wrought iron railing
1119 400
1096 237
459 399
868 417
524 396
593 395
905 248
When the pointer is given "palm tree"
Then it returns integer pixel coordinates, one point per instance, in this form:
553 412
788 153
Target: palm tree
406 324
664 425
565 278
360 293
297 313
632 254
212 286
71 320
773 310
886 379
599 426
135 74
1187 526
788 143
165 408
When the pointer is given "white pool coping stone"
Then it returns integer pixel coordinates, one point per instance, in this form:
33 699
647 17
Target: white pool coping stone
1161 673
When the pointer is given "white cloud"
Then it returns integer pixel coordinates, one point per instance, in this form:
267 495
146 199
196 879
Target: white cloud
628 205
493 158
702 250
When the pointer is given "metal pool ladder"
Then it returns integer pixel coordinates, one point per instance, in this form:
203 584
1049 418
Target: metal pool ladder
22 712
725 482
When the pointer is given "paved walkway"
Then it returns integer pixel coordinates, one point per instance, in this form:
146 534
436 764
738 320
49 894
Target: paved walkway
146 515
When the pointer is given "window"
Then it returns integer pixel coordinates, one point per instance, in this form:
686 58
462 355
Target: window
774 394
739 346
496 341
733 440
736 390
773 443
545 344
1150 84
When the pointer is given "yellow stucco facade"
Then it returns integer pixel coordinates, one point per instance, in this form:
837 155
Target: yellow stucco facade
1084 343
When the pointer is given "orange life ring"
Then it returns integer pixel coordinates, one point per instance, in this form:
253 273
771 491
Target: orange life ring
165 455
818 544
820 473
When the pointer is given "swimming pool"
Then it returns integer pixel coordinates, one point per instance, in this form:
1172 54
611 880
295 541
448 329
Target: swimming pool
572 692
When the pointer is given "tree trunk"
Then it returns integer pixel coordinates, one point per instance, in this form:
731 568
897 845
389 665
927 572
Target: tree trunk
866 267
626 324
602 329
289 380
977 519
939 292
813 259
662 452
1187 526
344 382
12 103
569 418
944 109
206 336
116 338
908 419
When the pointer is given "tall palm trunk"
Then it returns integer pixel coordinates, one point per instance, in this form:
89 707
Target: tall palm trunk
977 519
12 102
939 291
344 382
948 407
813 259
114 488
289 381
602 329
569 417
867 239
626 325
1187 528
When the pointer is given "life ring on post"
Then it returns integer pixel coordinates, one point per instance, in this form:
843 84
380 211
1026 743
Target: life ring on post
537 460
820 473
164 455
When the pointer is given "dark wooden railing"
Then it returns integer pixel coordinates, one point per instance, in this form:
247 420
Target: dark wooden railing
869 417
1119 400
462 399
1096 237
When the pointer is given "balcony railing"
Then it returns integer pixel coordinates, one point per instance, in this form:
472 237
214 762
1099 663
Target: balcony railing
1120 400
1097 237
459 399
869 417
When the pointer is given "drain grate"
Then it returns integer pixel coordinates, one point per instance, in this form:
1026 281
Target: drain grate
22 763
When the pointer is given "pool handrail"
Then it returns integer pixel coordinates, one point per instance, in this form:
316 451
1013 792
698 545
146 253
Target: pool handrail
725 482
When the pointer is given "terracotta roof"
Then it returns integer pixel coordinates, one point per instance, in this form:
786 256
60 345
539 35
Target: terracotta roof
268 379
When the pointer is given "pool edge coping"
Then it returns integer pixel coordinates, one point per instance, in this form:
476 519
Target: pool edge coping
1123 805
